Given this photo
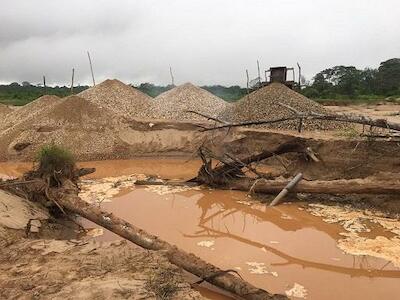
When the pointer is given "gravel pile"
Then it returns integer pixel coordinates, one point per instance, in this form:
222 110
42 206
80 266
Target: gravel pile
28 111
74 111
120 98
4 110
76 123
262 104
172 104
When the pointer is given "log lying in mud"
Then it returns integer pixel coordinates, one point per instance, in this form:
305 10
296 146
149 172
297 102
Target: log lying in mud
67 197
351 186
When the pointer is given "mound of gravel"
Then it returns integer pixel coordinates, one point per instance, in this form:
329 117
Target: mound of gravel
4 110
74 111
29 110
262 104
74 122
120 98
173 104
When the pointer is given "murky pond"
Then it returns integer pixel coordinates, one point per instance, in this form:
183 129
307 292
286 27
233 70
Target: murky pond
289 248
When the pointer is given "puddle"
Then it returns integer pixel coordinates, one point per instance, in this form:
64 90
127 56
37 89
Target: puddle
284 249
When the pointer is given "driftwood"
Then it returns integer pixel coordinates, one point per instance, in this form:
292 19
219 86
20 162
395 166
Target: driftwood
351 186
67 197
287 189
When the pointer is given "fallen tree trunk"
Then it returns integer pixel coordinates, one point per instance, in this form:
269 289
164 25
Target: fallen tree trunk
351 186
67 197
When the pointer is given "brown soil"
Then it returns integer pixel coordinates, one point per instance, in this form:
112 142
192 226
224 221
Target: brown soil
263 104
120 98
173 104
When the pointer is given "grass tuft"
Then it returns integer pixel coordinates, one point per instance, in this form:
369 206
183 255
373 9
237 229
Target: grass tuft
55 161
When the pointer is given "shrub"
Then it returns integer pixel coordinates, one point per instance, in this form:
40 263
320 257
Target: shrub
55 162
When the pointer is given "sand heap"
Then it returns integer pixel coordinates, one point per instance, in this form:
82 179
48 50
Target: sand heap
120 98
74 122
29 110
4 110
173 103
262 104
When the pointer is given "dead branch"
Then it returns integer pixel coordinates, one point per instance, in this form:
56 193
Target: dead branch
233 168
206 116
346 118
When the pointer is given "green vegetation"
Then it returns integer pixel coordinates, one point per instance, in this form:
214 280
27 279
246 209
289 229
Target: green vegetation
344 83
55 162
21 94
229 94
153 90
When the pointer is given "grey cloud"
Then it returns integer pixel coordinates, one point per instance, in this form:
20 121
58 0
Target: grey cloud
204 41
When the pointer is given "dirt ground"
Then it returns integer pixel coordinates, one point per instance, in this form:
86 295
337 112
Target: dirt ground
58 263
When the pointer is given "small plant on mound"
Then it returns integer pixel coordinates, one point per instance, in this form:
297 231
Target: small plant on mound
55 162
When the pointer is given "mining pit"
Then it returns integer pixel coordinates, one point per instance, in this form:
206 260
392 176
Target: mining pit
162 175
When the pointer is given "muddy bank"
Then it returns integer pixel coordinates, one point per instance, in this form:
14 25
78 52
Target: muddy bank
341 157
53 261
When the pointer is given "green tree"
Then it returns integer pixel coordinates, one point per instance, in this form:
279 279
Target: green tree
388 77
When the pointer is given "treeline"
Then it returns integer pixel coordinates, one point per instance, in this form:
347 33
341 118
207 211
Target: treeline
349 82
20 94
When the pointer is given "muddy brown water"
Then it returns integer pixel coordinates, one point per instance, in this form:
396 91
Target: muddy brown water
273 248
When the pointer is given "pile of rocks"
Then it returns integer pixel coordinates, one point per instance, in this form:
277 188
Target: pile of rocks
120 98
262 104
173 104
76 123
28 111
4 111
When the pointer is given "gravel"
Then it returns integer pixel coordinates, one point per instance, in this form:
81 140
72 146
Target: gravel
120 98
173 104
74 122
262 104
4 111
28 111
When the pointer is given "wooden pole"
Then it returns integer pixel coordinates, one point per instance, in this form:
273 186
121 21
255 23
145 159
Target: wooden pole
259 74
172 76
91 68
72 81
298 65
44 83
287 189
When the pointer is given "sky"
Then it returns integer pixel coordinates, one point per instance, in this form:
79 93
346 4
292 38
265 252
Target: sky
205 41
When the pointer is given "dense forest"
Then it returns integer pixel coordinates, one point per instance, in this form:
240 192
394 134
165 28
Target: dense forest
341 83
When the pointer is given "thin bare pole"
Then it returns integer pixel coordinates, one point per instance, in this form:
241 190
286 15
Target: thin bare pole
91 68
298 65
72 81
259 74
44 83
172 76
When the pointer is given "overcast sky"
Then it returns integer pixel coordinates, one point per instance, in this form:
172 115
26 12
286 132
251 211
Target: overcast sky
205 42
